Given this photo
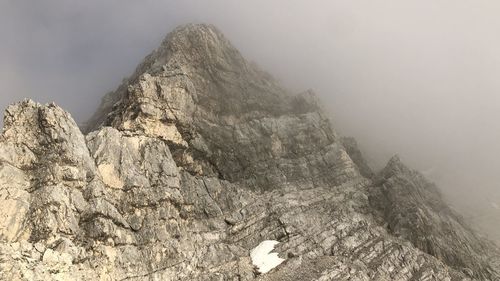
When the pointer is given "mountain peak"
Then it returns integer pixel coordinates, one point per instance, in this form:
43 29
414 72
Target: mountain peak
196 45
198 158
198 56
194 80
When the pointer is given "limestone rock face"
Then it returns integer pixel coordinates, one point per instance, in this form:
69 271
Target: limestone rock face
197 159
413 209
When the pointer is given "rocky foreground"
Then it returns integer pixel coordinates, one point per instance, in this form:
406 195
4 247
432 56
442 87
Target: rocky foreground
193 162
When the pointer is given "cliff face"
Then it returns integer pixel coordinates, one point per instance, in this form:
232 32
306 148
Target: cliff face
197 159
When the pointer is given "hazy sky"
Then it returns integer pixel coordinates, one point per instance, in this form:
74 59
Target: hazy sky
418 78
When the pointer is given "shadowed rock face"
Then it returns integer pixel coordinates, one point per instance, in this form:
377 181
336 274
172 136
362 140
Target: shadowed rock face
197 159
413 209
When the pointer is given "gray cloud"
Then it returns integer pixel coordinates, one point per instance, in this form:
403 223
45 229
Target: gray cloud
418 78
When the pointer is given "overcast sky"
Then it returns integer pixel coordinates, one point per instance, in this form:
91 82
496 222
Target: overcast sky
418 78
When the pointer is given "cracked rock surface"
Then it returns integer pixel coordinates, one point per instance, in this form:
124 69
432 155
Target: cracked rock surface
194 161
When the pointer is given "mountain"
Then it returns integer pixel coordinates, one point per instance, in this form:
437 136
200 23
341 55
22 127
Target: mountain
200 159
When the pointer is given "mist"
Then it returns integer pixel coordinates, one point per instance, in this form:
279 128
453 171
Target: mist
416 78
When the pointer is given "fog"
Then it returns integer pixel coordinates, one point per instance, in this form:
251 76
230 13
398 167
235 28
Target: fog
417 78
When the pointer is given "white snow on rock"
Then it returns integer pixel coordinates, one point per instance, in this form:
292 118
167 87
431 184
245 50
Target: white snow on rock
262 257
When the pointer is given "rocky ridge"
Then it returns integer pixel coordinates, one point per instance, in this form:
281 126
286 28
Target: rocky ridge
196 159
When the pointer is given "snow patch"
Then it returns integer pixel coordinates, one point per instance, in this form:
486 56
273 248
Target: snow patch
262 257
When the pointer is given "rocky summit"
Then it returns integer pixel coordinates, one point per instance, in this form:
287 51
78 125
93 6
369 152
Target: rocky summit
200 166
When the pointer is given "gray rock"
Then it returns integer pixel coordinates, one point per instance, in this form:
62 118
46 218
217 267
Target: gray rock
196 159
413 209
351 147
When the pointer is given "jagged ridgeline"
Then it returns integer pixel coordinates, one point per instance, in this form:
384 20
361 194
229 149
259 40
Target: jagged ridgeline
198 159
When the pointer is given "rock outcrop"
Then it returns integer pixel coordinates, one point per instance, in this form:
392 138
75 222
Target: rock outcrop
193 162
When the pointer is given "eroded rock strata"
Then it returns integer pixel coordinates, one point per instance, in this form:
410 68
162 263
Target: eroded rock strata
194 161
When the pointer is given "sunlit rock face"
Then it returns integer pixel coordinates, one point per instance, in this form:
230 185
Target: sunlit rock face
197 159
